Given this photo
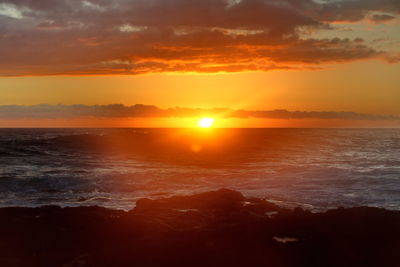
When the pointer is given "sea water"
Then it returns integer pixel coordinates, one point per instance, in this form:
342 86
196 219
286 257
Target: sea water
317 169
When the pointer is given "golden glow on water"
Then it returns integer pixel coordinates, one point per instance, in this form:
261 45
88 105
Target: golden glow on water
206 122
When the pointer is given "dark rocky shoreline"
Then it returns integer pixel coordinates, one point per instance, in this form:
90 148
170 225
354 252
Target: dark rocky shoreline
220 228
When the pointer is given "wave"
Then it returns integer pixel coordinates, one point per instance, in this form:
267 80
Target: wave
317 167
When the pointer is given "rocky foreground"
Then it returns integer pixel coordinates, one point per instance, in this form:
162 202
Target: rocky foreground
220 228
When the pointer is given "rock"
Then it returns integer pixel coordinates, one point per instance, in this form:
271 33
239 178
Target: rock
223 199
219 228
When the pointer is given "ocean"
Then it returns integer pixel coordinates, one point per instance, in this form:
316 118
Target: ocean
317 169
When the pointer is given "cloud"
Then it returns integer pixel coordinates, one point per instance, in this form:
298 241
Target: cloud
45 111
381 18
89 37
10 11
354 10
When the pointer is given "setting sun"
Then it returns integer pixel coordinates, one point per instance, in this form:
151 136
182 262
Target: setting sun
206 122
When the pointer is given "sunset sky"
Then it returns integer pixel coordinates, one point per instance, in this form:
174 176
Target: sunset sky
338 62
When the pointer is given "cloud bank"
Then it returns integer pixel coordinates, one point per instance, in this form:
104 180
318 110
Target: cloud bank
89 37
148 111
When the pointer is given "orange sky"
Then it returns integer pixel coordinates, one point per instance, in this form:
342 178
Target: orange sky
245 54
193 123
368 87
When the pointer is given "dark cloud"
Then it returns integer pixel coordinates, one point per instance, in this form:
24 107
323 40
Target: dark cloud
354 10
381 18
147 111
79 37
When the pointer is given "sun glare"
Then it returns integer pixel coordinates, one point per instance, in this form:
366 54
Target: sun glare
206 122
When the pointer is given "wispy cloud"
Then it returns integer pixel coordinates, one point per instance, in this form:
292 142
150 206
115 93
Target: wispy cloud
148 111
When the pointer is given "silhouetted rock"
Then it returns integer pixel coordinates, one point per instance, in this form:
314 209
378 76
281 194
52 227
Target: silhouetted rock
220 228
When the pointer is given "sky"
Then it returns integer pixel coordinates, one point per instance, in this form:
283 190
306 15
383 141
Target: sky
338 62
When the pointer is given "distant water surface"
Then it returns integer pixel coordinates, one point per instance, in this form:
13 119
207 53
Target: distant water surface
315 168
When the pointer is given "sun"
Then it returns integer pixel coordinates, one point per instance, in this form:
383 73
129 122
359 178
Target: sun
205 122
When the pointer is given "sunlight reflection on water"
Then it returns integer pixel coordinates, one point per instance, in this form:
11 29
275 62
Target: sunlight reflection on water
316 168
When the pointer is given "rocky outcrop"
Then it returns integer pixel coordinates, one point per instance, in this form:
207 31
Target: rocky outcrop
220 228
